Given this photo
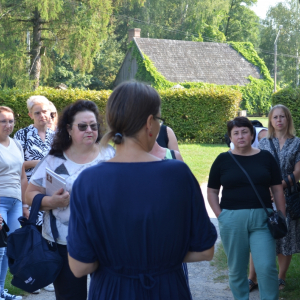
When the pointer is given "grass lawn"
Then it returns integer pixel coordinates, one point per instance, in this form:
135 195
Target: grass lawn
199 157
292 289
264 121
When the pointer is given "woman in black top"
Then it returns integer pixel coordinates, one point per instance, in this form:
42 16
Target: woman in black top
242 220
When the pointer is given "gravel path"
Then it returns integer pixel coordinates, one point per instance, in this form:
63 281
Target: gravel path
201 276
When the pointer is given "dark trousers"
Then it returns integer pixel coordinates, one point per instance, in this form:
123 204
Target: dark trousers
67 286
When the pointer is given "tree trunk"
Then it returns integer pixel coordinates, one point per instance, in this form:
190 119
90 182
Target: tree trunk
36 64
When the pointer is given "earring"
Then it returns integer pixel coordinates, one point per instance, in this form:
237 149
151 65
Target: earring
70 137
150 134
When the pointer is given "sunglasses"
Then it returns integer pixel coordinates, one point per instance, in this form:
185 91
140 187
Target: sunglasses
93 126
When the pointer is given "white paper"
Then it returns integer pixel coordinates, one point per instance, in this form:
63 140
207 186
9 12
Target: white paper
54 182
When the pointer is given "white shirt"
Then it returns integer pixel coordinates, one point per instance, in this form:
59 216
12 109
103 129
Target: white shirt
11 162
70 170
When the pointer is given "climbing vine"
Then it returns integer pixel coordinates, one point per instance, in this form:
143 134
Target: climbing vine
256 94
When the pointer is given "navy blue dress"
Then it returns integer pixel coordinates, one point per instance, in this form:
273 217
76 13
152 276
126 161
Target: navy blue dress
138 220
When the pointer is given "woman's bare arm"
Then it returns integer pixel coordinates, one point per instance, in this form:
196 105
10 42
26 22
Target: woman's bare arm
173 144
278 196
80 269
59 199
178 155
200 256
24 185
213 200
29 164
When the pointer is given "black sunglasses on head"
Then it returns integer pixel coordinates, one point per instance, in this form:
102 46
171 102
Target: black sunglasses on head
83 127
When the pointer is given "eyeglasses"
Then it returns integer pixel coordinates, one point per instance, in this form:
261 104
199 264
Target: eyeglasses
160 120
83 127
53 115
9 122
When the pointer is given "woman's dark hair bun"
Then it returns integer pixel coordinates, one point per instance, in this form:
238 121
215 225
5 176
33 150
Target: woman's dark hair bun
117 138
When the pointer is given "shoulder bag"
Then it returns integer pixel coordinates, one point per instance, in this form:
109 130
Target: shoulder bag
33 261
275 220
292 196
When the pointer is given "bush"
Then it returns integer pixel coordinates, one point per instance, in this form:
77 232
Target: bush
196 115
16 100
199 115
290 97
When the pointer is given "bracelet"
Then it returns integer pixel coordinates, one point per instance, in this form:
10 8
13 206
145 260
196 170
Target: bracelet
25 205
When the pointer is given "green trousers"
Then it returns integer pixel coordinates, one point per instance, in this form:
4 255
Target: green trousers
242 231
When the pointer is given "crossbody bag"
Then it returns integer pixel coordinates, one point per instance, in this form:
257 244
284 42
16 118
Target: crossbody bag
275 220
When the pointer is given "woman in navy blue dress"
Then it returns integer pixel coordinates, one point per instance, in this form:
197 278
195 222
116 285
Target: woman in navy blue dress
136 218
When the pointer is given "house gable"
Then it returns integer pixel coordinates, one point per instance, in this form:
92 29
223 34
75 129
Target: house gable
180 61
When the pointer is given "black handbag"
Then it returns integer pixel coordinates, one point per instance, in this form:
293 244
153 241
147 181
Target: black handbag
33 261
3 234
292 196
276 220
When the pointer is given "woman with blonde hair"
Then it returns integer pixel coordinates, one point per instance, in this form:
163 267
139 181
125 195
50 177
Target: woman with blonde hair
283 144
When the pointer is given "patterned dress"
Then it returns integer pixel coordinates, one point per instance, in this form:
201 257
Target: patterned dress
289 155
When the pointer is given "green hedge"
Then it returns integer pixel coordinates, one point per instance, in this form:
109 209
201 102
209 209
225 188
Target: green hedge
196 115
16 100
199 115
290 98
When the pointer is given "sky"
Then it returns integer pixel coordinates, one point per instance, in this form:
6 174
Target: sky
262 7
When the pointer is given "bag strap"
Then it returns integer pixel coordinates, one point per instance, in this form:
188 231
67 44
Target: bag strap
275 152
35 207
254 188
173 154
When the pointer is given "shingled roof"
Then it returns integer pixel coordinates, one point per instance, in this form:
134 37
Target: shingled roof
180 61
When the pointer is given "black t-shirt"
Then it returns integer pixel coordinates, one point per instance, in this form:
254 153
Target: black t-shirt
237 190
163 139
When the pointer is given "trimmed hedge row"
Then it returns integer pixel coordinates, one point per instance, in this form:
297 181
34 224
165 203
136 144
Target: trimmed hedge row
16 100
290 97
195 115
200 115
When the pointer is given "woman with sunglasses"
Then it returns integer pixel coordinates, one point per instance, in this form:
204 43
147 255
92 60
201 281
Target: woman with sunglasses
75 148
136 218
52 124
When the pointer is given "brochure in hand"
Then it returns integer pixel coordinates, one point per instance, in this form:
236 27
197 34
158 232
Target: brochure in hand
54 182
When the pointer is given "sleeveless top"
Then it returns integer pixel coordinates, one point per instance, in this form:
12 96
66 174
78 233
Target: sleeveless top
163 139
170 154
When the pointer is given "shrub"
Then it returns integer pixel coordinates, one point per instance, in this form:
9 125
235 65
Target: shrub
16 100
196 115
199 115
290 97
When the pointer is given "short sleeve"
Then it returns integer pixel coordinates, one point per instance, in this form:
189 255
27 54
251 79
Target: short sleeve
79 244
203 232
214 180
297 158
20 137
20 148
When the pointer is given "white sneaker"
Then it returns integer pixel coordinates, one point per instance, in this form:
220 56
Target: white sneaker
49 288
6 296
36 292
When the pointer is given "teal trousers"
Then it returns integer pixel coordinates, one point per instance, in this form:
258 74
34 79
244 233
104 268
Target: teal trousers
242 231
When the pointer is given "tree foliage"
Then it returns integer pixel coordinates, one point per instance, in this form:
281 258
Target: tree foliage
287 14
